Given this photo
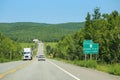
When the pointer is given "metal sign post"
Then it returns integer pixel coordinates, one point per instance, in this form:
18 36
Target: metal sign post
85 57
90 56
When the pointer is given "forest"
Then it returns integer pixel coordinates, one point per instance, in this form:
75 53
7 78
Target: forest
100 28
27 31
13 36
12 51
9 49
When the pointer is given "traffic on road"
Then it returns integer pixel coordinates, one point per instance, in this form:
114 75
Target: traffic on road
49 70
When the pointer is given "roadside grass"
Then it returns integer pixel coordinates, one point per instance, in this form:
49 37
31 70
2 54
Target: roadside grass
24 45
2 60
88 63
114 69
108 68
52 44
82 63
103 67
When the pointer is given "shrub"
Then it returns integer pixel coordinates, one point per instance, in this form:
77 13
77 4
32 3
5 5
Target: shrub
115 69
3 60
88 64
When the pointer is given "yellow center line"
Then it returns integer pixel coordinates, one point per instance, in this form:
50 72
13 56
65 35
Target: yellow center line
14 69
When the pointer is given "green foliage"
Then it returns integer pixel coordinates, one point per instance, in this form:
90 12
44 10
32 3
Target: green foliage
103 29
35 49
103 67
88 64
97 14
50 51
69 47
52 44
24 45
27 31
110 68
3 60
9 50
115 69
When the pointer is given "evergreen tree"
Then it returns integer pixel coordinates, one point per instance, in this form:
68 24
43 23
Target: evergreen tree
97 14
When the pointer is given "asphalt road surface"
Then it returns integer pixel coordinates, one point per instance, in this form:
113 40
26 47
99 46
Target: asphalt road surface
49 70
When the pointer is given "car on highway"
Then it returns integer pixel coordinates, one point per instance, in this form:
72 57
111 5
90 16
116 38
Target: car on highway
41 57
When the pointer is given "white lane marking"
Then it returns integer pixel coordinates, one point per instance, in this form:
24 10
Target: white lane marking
65 71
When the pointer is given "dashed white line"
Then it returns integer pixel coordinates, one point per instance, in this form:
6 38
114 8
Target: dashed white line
65 71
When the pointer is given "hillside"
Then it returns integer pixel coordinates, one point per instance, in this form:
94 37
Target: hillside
27 31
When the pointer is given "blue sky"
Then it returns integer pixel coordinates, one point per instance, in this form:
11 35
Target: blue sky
53 11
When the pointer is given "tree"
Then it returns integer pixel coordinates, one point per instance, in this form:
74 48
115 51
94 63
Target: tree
87 26
104 30
97 14
9 50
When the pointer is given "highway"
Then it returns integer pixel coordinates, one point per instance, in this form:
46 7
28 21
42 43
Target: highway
49 70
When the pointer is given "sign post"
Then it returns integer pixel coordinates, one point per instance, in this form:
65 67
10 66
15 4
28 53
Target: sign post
85 57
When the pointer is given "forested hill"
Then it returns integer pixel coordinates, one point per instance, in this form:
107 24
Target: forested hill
27 31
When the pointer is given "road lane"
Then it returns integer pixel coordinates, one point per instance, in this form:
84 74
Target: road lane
7 68
65 71
44 70
10 65
40 48
39 70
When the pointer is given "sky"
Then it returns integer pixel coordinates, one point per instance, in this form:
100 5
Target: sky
53 11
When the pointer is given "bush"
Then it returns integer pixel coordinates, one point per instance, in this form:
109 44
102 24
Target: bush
115 69
3 60
91 64
103 67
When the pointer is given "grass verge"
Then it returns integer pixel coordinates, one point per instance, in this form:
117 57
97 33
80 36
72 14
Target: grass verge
108 68
24 45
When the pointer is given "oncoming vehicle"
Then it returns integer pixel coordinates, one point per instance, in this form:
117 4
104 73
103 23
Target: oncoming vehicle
27 54
41 57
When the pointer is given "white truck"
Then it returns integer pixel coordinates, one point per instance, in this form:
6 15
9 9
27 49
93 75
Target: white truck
27 54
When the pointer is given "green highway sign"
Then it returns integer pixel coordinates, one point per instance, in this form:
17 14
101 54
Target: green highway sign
90 48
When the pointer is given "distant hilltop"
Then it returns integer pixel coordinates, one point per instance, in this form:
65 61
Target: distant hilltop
27 31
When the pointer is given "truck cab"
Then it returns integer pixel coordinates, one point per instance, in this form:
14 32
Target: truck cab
27 54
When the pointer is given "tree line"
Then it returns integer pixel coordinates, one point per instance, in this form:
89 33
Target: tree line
27 31
101 28
9 50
